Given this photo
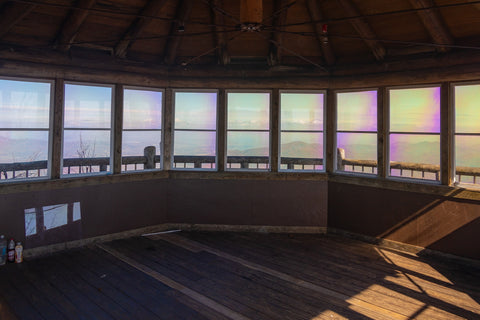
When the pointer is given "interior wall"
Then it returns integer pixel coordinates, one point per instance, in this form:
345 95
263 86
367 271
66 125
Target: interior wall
122 206
105 209
248 202
441 223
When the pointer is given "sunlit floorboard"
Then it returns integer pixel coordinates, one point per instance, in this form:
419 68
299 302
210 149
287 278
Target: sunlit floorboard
239 276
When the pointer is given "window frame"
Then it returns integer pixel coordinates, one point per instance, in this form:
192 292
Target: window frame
323 132
452 123
217 107
111 130
270 110
50 128
336 131
388 133
162 129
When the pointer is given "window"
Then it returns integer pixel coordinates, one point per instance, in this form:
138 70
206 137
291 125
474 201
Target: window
357 131
24 129
414 136
195 130
87 129
248 130
142 129
301 131
467 133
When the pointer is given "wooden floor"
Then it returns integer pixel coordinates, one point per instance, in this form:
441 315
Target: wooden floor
239 276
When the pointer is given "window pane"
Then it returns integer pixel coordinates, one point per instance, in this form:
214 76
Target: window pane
357 111
195 143
467 159
23 146
196 110
358 146
301 111
302 145
26 147
467 151
24 104
87 106
408 152
467 109
248 144
360 152
86 151
248 111
142 109
134 142
415 110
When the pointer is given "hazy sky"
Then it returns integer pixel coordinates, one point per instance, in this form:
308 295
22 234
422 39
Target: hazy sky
87 106
142 109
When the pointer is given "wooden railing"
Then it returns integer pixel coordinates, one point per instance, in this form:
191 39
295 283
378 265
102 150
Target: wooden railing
152 161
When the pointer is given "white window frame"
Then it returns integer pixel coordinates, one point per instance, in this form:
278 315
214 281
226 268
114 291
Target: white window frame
162 129
335 156
323 131
227 92
452 122
388 133
49 130
112 126
172 159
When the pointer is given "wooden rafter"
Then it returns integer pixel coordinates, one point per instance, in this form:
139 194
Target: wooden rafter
433 22
363 29
183 12
72 24
151 9
275 51
218 21
11 14
313 7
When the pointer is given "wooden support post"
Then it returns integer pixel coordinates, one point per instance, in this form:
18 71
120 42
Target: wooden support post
168 131
382 132
149 153
56 164
117 129
340 158
221 130
330 120
274 134
446 135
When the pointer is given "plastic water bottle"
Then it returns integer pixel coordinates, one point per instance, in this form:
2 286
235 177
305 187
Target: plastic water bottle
11 251
3 250
18 253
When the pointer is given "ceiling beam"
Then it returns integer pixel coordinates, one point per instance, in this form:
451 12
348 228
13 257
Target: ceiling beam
313 7
218 29
71 25
279 19
151 9
433 22
11 14
175 37
363 29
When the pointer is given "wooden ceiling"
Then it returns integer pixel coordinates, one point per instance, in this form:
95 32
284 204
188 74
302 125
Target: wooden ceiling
324 36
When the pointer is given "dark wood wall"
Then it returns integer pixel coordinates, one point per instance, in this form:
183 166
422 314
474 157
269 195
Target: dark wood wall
441 223
116 207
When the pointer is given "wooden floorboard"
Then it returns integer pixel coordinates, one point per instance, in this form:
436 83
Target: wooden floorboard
354 275
195 275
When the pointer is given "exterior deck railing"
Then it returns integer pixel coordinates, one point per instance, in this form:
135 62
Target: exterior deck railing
151 161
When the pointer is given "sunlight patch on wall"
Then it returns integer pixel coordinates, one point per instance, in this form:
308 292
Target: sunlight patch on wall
42 219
